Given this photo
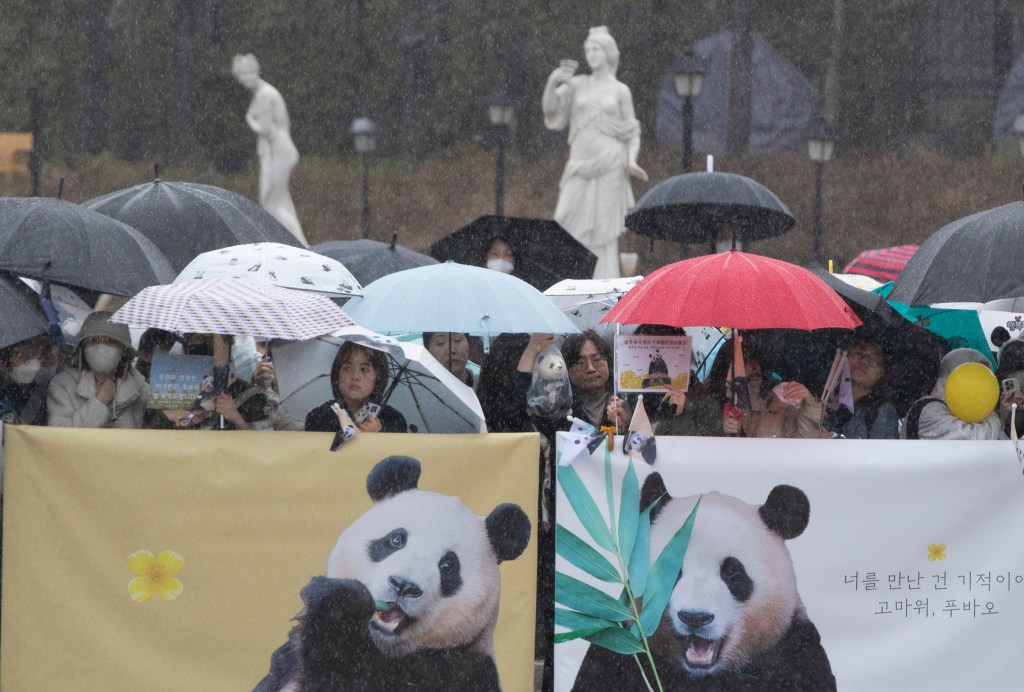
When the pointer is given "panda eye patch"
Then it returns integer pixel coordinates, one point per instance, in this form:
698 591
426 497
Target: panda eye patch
451 573
381 548
735 576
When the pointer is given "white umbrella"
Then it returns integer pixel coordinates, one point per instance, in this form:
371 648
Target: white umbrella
277 265
419 387
233 306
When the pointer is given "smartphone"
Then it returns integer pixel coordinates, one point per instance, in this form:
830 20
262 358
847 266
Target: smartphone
1010 384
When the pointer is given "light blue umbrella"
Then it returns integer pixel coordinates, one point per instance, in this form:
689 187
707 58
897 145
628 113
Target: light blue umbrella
452 297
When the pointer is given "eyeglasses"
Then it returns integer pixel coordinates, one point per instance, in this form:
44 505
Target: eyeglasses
594 361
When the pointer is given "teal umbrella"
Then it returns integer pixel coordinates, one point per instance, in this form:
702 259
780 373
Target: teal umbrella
961 328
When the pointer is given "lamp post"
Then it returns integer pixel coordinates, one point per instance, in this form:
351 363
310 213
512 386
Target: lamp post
364 140
820 145
689 75
502 116
1018 133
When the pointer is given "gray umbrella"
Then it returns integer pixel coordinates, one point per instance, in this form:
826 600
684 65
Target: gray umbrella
368 260
188 219
21 316
974 260
49 239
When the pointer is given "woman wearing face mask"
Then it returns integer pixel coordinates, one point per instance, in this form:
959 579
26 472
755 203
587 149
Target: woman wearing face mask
500 257
22 394
100 389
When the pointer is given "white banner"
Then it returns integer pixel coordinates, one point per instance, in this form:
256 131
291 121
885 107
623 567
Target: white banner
910 567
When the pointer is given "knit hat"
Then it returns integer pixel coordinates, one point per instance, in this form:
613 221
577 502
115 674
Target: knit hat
98 324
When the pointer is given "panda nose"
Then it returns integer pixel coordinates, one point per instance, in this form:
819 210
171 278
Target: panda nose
695 619
404 587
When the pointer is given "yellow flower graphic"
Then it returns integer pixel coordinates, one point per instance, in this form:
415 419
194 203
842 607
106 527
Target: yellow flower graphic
155 575
936 551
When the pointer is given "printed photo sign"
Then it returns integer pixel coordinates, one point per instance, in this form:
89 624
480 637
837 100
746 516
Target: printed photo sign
805 560
643 363
177 560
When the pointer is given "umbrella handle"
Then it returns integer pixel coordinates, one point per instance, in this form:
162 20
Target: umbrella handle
487 335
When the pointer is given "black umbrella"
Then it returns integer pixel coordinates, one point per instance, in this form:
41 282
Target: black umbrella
188 219
975 259
694 207
21 316
49 239
368 260
912 352
545 252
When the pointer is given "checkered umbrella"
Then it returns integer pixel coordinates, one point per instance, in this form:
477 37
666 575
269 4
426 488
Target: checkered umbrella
234 306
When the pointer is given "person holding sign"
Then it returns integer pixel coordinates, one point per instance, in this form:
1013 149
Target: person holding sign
962 403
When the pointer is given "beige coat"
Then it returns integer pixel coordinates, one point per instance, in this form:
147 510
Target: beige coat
72 401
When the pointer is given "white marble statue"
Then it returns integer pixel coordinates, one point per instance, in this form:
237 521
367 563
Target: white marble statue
268 118
604 140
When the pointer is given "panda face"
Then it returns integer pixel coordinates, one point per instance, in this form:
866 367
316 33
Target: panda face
429 558
736 594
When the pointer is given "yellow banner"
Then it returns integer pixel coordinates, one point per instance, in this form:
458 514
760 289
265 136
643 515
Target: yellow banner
254 515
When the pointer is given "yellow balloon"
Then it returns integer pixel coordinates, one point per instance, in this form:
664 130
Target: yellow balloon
972 392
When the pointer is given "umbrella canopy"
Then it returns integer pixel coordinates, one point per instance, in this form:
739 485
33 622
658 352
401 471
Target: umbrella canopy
975 259
276 265
884 264
694 207
451 297
233 306
187 219
368 260
545 252
50 239
587 301
734 289
21 316
429 397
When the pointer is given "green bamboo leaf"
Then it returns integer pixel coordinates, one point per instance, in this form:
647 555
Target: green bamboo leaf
585 507
617 639
664 574
586 599
572 620
629 511
578 552
561 637
640 557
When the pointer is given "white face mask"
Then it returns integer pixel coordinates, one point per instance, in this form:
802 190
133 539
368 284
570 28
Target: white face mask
500 265
102 357
26 372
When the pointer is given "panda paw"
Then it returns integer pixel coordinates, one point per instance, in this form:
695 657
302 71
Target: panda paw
337 601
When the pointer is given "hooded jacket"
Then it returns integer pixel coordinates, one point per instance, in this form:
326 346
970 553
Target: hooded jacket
937 422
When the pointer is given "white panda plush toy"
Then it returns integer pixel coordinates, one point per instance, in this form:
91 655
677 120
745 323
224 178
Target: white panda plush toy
735 620
410 599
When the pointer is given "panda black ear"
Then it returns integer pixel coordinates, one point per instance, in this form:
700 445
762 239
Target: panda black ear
786 511
391 476
508 528
654 488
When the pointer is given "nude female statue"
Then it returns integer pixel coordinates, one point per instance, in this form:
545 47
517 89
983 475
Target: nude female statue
268 118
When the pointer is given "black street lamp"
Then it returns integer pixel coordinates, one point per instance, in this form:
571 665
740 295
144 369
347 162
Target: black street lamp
690 73
364 140
820 145
502 116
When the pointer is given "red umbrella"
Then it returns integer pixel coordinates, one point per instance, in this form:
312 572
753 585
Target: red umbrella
884 264
734 289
